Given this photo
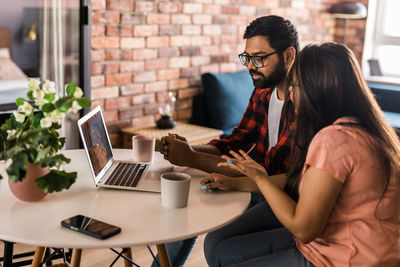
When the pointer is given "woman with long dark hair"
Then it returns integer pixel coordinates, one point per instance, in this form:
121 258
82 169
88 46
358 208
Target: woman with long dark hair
341 199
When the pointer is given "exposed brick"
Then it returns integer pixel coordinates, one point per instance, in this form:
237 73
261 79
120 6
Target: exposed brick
151 109
144 7
98 30
169 29
181 19
145 30
202 19
131 18
157 41
230 29
125 30
190 51
200 60
116 103
97 68
118 79
210 50
237 20
170 7
183 103
228 67
212 9
184 114
189 8
146 76
116 127
103 93
132 89
133 112
168 74
97 81
191 30
113 54
111 68
212 29
123 5
126 55
112 30
158 18
209 68
131 66
115 139
169 52
190 72
179 83
143 99
112 17
180 40
156 64
143 121
247 10
200 40
179 62
98 4
105 42
95 103
155 87
98 55
142 54
97 17
229 9
162 96
110 116
137 42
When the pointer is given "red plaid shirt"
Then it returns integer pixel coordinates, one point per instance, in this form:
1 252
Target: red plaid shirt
252 132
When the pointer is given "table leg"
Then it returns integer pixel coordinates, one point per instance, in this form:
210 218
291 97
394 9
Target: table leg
76 257
37 259
8 253
163 255
128 253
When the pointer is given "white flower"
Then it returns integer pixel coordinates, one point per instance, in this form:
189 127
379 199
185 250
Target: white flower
75 107
19 117
39 97
56 116
33 84
78 92
11 133
26 108
45 122
49 87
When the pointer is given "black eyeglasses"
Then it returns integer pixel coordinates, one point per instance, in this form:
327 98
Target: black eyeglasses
258 61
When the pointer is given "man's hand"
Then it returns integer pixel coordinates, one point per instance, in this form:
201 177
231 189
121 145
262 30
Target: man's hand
176 149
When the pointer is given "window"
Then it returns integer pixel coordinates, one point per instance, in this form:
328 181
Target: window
382 40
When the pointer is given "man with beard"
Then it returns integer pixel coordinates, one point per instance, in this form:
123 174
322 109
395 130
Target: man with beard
271 46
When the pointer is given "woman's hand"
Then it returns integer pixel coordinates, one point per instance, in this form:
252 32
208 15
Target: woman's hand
244 164
217 181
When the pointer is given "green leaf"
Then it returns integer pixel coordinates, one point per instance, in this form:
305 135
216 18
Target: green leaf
17 170
64 104
48 107
52 161
30 95
37 118
71 87
56 181
83 102
49 97
19 101
14 123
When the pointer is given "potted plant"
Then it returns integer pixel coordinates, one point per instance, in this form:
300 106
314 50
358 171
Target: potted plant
30 140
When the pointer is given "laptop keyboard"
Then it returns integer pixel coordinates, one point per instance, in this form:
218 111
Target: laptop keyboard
126 174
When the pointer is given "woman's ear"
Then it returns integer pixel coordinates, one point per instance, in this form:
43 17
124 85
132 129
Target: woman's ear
288 56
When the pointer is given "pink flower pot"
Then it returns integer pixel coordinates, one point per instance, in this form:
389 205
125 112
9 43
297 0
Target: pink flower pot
27 190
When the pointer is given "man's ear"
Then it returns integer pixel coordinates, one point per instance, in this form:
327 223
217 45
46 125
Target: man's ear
288 56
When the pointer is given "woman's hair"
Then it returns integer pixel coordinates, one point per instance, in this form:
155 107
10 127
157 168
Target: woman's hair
330 86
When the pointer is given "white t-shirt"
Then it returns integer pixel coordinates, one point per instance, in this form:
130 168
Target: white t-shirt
274 118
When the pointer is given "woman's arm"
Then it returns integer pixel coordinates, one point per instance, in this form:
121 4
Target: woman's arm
307 218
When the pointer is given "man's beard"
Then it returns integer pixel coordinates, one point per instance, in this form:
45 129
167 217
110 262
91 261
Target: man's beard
273 79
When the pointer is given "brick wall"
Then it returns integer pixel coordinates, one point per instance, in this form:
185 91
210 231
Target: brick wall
141 50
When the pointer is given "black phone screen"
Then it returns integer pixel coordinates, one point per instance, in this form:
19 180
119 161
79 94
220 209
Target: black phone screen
91 226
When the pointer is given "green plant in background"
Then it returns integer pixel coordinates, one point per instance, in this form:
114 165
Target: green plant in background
31 135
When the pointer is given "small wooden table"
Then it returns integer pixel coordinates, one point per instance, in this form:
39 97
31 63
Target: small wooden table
196 135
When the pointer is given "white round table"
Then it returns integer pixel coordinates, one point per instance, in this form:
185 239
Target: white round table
139 214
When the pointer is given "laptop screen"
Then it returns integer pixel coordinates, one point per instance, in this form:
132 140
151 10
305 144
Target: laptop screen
97 143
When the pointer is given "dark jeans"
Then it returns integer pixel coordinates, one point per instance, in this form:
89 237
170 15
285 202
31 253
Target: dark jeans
256 238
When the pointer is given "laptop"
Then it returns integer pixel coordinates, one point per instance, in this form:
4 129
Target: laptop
108 172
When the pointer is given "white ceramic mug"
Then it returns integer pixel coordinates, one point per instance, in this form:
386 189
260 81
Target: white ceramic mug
143 148
175 189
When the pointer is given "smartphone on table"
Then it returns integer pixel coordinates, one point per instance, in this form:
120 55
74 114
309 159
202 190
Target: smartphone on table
90 226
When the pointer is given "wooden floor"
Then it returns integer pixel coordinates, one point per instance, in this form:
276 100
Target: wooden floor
104 257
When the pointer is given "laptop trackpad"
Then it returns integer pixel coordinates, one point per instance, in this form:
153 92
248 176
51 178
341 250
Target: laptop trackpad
154 174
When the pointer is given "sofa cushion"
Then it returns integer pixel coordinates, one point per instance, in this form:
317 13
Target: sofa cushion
226 97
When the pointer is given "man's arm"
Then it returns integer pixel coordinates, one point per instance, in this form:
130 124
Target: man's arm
210 149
